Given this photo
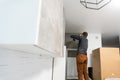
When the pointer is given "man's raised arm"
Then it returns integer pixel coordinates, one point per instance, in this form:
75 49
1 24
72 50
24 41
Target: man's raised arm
75 37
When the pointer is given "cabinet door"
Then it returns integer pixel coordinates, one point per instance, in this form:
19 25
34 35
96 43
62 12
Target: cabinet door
22 66
71 68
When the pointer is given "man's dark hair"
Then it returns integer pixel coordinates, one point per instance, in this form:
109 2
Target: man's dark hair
85 34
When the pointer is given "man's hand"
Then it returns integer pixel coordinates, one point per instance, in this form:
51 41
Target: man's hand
73 39
80 34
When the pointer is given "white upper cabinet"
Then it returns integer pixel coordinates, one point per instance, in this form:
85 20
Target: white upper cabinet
33 26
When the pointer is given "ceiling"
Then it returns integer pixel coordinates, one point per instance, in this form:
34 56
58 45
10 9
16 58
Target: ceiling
79 19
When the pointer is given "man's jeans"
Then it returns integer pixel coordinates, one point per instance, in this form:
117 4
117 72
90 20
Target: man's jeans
81 60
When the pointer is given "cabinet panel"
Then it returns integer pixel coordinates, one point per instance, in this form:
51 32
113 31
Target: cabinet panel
51 30
22 66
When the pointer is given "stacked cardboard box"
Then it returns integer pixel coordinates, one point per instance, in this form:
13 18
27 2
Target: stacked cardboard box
106 63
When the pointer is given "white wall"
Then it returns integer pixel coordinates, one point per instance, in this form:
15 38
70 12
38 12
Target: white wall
18 21
33 22
59 68
59 71
51 28
94 42
24 66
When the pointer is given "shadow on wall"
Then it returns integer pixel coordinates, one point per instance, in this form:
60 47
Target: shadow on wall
23 66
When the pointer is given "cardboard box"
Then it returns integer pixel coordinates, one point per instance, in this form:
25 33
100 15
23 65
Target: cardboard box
106 63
